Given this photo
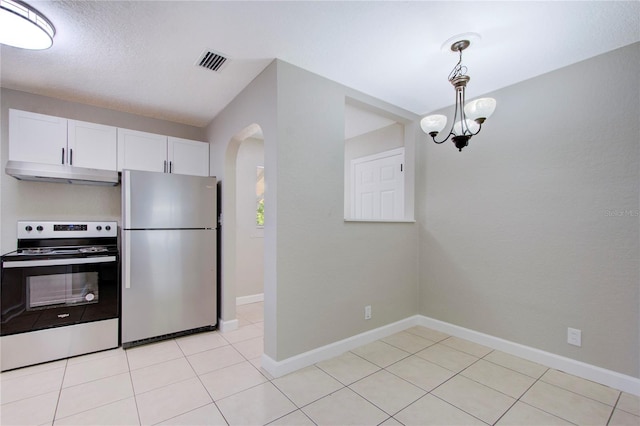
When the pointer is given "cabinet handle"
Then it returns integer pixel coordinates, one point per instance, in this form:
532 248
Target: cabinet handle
62 156
165 167
71 156
170 166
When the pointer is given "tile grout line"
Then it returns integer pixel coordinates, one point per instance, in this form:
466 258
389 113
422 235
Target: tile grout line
614 408
518 400
456 407
539 379
202 384
133 389
577 393
427 392
55 411
451 378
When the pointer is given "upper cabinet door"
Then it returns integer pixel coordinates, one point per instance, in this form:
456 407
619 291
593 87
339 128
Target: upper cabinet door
92 145
37 138
187 157
142 151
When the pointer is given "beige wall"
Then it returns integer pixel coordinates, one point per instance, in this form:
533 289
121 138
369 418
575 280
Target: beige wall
254 108
38 200
320 272
534 227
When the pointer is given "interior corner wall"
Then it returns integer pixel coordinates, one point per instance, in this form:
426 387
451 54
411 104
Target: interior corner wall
329 269
534 227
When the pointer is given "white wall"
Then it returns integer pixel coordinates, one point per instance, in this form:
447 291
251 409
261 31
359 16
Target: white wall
534 226
249 237
38 200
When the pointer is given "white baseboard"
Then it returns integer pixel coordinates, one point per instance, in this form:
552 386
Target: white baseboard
253 298
226 326
587 371
280 368
577 368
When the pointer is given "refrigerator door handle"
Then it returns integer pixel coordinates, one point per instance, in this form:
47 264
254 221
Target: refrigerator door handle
127 199
127 223
164 170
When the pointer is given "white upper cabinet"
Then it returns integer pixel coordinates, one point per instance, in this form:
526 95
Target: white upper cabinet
142 151
45 139
188 157
157 153
92 145
37 138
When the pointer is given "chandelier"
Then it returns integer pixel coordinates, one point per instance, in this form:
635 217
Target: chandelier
467 119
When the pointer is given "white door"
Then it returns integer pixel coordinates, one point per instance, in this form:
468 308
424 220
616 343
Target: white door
378 186
92 145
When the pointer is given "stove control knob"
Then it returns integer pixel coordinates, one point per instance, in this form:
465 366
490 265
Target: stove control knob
108 227
28 228
99 228
39 228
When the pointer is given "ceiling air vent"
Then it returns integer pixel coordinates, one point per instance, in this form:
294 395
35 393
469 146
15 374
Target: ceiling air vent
212 61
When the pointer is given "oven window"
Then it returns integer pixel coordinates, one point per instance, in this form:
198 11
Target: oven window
77 288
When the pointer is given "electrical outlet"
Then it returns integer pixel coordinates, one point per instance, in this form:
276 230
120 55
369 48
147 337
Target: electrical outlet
367 312
574 336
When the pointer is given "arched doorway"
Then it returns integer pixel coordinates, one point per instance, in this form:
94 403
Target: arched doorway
234 252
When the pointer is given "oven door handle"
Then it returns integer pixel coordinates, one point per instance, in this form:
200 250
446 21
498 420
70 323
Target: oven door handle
58 262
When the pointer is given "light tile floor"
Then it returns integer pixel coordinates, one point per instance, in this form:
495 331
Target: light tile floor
416 377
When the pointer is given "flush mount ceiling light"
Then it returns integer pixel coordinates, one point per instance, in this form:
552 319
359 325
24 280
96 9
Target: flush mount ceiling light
23 26
467 119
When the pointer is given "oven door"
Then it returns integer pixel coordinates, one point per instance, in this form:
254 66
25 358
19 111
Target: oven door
39 294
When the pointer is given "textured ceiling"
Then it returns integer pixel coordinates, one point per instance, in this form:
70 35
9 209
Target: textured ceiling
139 56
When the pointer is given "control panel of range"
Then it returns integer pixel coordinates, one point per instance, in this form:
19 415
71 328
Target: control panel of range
51 229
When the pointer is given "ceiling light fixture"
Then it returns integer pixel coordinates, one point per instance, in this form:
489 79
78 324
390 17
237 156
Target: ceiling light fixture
469 117
23 26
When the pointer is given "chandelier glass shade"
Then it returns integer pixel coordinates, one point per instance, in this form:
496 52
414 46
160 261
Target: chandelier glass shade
23 26
467 119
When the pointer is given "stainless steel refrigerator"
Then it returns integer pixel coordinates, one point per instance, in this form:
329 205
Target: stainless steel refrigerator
168 255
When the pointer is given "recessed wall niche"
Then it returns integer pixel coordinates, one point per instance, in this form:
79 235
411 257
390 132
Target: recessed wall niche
375 166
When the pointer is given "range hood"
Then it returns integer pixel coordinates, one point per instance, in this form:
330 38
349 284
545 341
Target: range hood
22 170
